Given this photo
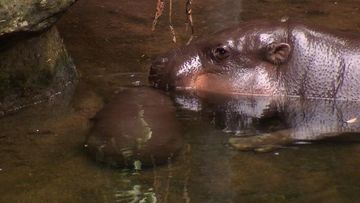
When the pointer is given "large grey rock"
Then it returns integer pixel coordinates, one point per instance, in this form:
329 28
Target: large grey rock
30 15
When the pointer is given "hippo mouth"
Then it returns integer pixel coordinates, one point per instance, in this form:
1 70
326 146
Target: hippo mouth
218 83
211 82
161 76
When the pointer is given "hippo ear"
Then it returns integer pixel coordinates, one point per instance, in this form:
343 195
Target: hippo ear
277 53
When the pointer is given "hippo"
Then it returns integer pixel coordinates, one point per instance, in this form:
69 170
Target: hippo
135 130
308 74
266 58
272 59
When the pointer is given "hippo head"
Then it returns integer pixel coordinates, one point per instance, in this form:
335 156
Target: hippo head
245 60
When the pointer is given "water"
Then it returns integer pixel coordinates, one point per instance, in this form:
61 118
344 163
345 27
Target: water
41 148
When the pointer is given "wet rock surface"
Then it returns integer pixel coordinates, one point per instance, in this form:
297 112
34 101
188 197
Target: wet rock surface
34 64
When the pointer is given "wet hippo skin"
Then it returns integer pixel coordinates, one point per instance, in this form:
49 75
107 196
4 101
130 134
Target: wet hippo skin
139 124
273 59
266 58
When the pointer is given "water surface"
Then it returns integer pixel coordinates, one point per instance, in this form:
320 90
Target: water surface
42 158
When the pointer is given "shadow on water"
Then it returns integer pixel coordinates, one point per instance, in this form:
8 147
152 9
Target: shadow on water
42 156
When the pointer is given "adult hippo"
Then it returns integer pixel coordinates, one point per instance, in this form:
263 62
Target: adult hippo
267 58
273 61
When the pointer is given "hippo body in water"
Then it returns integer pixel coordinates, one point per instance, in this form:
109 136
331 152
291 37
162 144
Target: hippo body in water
267 123
266 58
273 59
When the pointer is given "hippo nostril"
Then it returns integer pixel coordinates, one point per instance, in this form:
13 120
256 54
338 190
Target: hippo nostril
160 72
157 69
155 74
160 62
164 60
154 78
153 71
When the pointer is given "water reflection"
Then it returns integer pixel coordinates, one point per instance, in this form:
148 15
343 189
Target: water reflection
167 183
136 194
265 123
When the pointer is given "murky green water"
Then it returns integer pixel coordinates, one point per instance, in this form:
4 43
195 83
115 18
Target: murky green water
41 154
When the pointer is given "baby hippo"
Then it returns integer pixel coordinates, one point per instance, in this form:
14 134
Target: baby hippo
137 127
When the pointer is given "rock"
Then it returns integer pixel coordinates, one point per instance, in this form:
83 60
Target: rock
34 64
33 70
30 15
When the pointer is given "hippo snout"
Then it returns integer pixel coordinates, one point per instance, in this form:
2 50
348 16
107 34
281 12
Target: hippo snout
250 60
175 69
157 72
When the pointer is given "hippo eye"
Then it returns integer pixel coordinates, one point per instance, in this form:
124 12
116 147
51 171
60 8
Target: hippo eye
220 53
